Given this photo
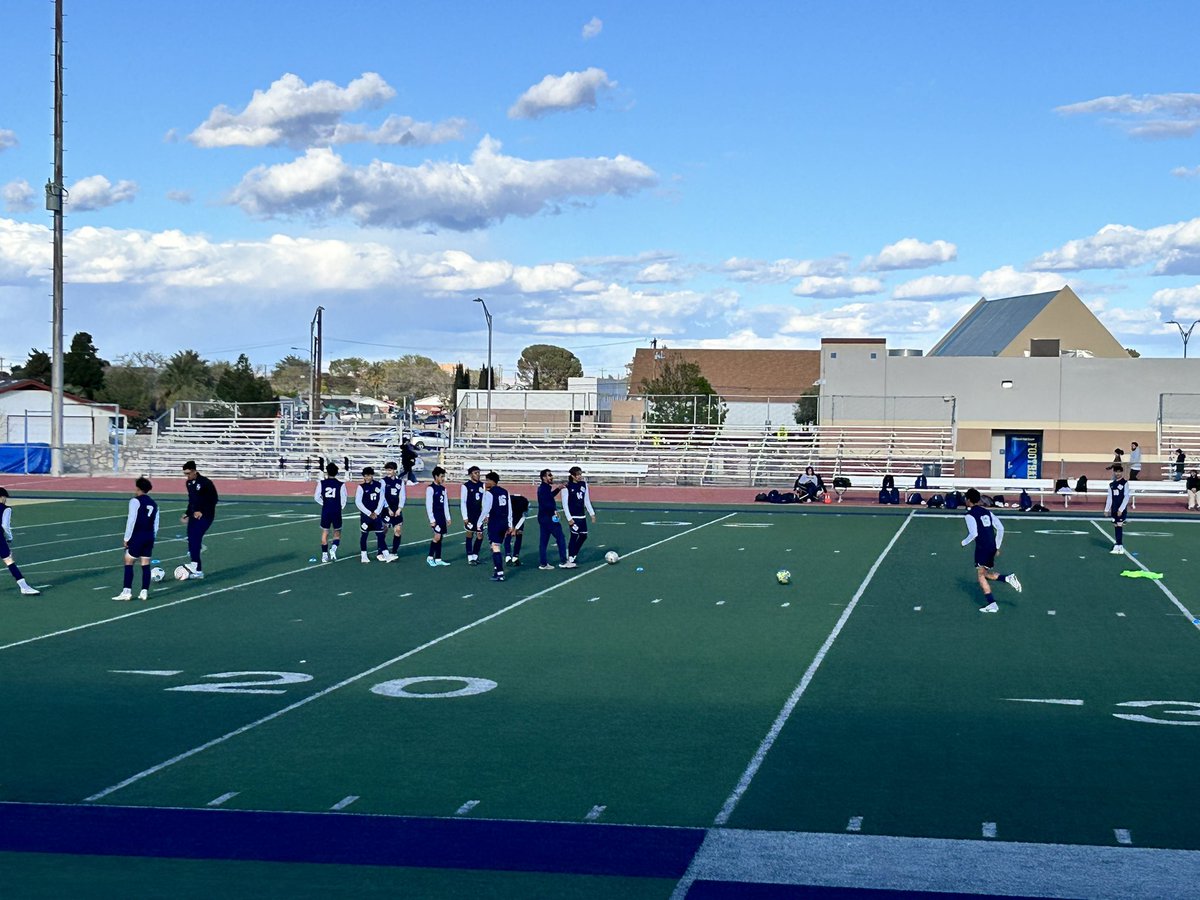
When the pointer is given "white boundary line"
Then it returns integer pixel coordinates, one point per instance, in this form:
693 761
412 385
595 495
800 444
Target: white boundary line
383 665
1158 582
109 536
765 747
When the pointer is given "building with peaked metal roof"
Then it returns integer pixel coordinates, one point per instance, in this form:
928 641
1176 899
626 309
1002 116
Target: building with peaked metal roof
1020 326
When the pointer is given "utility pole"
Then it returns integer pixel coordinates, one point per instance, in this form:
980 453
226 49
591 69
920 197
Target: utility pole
314 400
55 195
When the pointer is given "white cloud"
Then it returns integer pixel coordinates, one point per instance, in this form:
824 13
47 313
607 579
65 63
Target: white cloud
489 189
1173 249
910 253
18 196
97 192
592 28
1149 115
295 114
910 322
1182 304
782 270
180 196
561 93
597 308
1184 172
458 271
660 273
1002 282
821 286
8 138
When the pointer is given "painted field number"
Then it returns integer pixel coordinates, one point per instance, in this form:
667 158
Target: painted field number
258 686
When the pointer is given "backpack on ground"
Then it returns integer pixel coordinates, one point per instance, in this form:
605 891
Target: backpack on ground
954 500
937 501
760 498
1025 502
914 499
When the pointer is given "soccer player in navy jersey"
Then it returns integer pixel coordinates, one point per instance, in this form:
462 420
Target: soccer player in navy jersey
331 494
395 494
6 535
471 507
498 516
548 524
141 528
437 507
201 509
512 543
577 506
369 500
986 530
1116 504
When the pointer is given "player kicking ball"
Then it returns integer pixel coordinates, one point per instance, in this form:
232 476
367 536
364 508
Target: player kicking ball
987 532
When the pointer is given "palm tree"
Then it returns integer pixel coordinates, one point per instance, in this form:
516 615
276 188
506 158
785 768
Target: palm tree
185 377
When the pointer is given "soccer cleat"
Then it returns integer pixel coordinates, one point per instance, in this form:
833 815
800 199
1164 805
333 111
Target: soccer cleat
991 607
1117 550
195 576
384 556
516 560
362 557
126 594
192 567
472 560
333 554
431 562
143 594
507 560
499 576
569 564
28 591
1014 581
324 556
547 568
440 562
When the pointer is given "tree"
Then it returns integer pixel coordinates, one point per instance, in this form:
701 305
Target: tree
805 410
416 376
185 377
481 382
291 376
680 394
83 369
344 375
536 383
37 367
554 365
461 381
239 384
1133 353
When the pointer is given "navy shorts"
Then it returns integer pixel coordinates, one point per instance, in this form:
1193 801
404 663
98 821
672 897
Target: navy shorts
333 520
439 526
393 517
985 558
579 526
497 532
1119 519
139 547
369 525
5 552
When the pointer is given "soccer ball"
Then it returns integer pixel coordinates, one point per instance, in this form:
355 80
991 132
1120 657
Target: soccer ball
783 576
157 574
182 573
611 557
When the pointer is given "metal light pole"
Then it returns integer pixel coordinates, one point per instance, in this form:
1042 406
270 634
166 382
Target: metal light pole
488 316
55 194
1186 335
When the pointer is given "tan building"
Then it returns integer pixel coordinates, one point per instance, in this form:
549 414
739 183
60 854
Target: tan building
1021 326
736 373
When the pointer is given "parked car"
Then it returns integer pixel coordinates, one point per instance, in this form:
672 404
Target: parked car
436 420
388 435
430 439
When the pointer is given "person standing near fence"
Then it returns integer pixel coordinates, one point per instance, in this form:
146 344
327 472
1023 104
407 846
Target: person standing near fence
1180 462
1135 462
201 509
6 535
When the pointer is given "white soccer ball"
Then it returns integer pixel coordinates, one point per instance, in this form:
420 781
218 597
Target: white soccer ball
611 557
157 574
783 576
182 573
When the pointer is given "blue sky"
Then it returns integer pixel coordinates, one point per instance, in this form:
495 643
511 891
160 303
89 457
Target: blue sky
710 175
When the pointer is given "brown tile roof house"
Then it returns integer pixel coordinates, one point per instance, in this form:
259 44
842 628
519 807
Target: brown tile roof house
732 373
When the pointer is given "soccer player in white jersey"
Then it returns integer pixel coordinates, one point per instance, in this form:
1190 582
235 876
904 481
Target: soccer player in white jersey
6 535
577 506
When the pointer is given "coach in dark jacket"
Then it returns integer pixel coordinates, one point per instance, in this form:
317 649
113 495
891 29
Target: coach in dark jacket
201 509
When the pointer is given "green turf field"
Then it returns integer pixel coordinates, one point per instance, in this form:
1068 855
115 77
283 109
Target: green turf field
682 688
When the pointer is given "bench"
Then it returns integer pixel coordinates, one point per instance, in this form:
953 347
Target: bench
509 468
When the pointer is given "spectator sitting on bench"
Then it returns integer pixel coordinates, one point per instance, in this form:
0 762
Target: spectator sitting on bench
808 485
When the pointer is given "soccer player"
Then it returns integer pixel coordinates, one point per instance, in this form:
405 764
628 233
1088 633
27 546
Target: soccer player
548 524
498 515
577 506
6 535
369 500
395 493
141 528
437 507
471 506
1116 503
512 542
201 509
986 530
331 494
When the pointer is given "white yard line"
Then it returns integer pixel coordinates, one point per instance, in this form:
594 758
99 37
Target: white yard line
1157 582
110 536
780 720
383 665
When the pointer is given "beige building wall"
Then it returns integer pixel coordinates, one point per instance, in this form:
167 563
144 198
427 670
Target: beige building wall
1068 320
